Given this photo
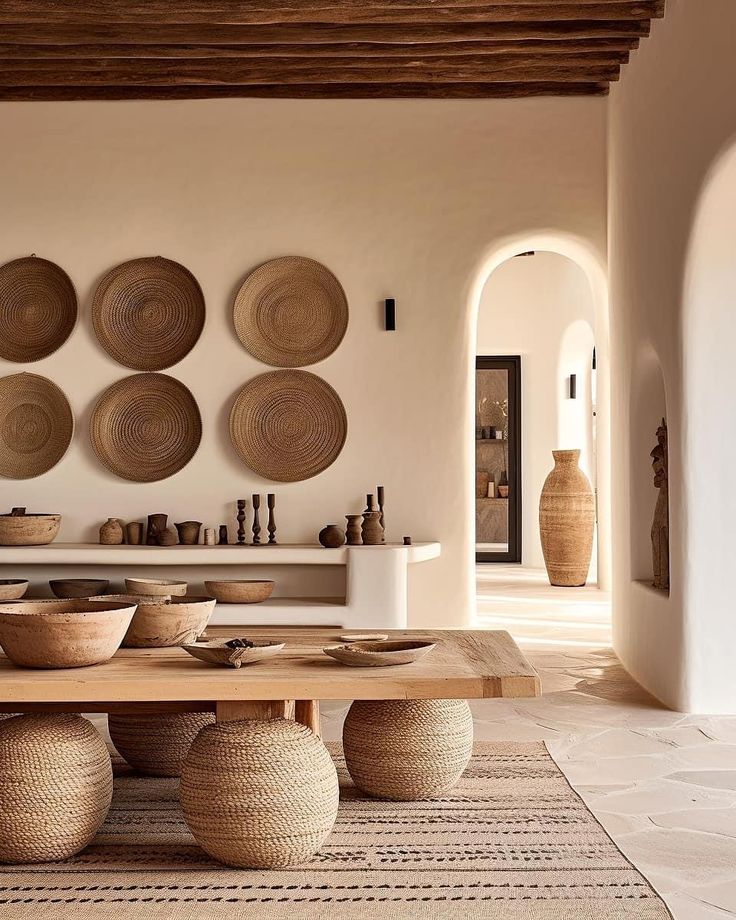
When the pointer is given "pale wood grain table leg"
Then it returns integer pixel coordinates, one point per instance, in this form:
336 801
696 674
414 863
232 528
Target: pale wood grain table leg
307 712
259 710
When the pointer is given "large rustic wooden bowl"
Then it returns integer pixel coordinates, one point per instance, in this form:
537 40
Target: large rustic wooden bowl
163 622
240 592
12 589
217 652
379 654
162 587
28 529
63 633
66 588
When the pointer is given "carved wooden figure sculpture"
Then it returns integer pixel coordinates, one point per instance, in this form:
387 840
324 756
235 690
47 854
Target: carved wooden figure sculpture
661 524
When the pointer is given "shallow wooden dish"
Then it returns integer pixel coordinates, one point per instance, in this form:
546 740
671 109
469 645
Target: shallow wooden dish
28 529
63 633
216 652
12 589
66 588
379 654
160 587
164 622
244 591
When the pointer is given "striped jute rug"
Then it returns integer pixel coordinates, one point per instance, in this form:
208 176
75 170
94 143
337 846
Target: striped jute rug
512 841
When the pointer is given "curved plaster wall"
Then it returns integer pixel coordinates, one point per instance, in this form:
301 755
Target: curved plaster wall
400 198
671 117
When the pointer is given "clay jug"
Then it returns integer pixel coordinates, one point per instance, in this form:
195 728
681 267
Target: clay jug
371 531
567 521
111 532
353 530
189 532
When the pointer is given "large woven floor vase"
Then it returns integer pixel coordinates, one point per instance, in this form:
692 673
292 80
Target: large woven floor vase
567 521
55 786
259 795
156 743
407 749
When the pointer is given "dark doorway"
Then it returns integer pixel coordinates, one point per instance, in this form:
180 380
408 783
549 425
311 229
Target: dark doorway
498 459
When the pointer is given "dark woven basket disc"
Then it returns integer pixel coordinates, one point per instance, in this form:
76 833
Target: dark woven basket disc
146 427
148 313
38 309
288 425
291 312
36 425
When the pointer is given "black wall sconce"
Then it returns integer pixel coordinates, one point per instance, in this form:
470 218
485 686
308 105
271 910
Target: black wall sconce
390 314
573 386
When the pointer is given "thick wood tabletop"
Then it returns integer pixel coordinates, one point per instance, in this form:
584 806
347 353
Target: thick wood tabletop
464 665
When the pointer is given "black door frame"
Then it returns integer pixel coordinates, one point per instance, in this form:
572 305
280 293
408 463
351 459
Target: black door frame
511 364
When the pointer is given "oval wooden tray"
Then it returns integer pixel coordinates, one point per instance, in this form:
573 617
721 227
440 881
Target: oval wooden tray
379 654
216 652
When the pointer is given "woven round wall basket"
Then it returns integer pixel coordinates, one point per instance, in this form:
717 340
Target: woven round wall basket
146 427
291 312
288 425
38 309
36 425
148 313
55 786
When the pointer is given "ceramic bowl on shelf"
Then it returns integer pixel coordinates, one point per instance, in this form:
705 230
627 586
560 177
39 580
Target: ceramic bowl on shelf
66 588
12 589
28 529
379 654
63 633
220 653
161 587
243 591
162 622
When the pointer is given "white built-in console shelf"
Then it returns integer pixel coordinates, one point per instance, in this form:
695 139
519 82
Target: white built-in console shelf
375 577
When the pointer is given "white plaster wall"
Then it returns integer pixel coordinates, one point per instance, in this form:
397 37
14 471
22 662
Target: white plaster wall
672 115
541 307
408 199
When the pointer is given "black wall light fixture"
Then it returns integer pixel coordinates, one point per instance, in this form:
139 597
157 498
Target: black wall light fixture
573 386
390 314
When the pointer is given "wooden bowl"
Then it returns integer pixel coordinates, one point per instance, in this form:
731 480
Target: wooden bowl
78 587
160 587
11 589
28 529
164 622
379 654
216 652
63 633
240 592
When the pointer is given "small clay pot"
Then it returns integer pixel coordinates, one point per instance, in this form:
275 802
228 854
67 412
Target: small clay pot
167 537
156 524
111 532
189 532
332 536
371 531
353 530
134 533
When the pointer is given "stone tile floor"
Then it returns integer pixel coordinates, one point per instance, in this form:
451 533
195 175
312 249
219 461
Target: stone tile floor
662 783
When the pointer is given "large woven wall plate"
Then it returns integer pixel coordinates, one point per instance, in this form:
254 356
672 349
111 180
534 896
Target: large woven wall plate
288 425
38 309
291 312
146 427
36 425
148 313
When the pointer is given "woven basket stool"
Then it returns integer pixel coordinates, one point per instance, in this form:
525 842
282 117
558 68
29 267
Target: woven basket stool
407 749
156 744
259 795
55 786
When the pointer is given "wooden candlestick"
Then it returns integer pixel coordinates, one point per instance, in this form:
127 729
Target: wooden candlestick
256 523
271 501
241 522
380 492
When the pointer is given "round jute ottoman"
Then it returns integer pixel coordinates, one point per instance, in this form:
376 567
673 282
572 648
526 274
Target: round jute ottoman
156 743
259 794
407 749
55 786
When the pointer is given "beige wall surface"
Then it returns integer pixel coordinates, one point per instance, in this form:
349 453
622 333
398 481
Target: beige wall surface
673 116
408 199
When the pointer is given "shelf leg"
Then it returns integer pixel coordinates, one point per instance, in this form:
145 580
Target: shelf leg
256 710
307 712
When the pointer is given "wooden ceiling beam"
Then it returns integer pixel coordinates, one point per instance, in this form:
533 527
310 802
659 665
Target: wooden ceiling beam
262 12
229 73
115 33
617 49
308 91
